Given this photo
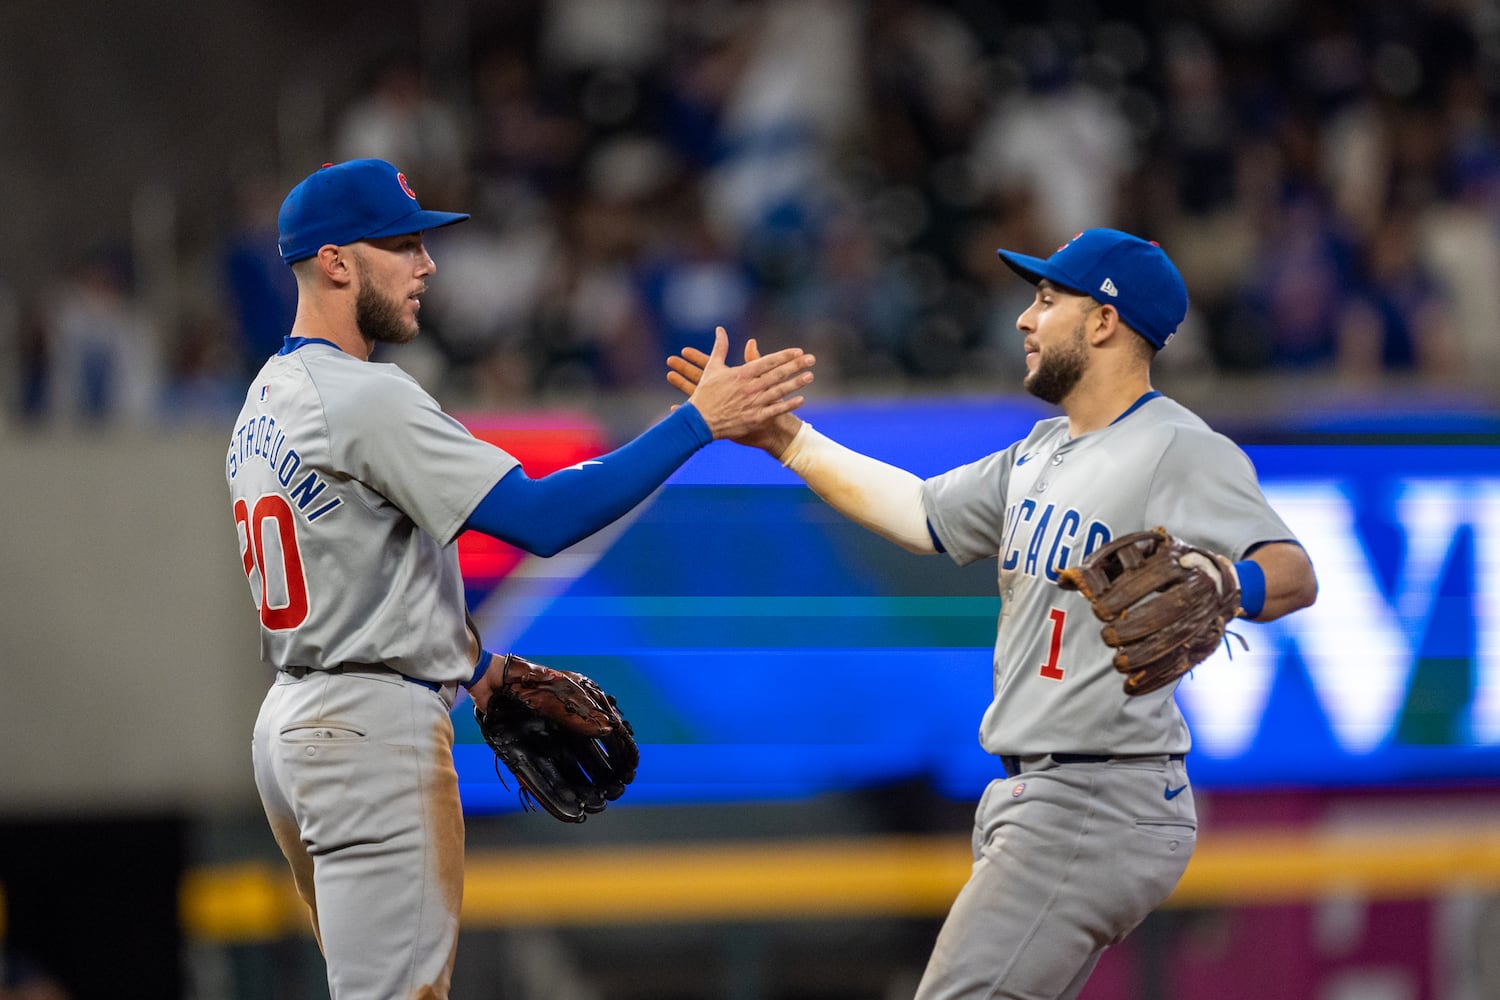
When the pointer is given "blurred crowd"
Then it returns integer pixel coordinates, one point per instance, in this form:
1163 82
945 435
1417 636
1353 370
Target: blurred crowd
838 174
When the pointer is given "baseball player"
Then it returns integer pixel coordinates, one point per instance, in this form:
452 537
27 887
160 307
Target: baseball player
1092 823
348 486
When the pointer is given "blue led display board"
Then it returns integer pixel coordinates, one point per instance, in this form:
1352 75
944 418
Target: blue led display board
735 585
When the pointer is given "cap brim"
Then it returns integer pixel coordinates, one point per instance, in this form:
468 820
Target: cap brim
417 222
1034 269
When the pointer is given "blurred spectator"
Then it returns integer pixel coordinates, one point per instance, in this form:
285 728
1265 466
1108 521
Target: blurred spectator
1468 171
103 352
1460 233
928 88
926 80
592 329
522 132
1294 301
1199 131
491 273
589 330
396 117
31 362
596 68
697 81
605 52
261 290
1012 222
1063 139
690 279
1397 318
857 308
205 379
796 100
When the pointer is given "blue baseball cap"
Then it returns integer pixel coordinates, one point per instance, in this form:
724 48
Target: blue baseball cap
346 202
1131 274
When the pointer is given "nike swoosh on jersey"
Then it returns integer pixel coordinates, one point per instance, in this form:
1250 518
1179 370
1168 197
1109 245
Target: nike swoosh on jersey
1172 793
1024 459
580 465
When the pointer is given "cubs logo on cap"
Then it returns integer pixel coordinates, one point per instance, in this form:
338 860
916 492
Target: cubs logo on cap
1134 275
346 202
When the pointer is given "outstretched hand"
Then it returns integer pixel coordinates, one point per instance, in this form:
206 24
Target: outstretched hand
750 403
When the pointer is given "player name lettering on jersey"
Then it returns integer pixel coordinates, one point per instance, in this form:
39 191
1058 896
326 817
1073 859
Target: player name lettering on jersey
260 437
1051 532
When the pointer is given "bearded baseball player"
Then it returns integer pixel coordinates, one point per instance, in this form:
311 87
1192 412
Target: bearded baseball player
348 486
1128 535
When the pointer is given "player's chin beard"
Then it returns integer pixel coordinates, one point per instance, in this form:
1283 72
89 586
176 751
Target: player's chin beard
381 320
1058 372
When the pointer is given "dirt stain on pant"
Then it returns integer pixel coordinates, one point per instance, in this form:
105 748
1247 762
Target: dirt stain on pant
445 826
289 839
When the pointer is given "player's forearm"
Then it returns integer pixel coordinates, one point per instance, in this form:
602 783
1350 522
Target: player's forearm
877 496
545 516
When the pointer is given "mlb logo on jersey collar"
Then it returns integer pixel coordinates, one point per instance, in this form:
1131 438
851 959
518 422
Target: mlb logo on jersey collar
1131 274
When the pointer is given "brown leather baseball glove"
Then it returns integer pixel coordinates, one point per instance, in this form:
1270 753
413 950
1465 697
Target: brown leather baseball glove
1165 604
561 736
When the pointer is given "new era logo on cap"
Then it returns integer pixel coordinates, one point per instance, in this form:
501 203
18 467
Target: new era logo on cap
345 202
1139 279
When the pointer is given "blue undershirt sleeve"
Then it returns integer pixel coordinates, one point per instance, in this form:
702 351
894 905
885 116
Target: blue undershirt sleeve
545 516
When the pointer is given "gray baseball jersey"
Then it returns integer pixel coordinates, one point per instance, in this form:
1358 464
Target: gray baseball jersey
350 485
1044 504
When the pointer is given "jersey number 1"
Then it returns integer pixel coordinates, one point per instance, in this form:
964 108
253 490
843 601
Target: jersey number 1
291 609
1050 669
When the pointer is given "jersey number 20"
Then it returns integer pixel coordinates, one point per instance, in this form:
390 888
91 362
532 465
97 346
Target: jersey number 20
277 552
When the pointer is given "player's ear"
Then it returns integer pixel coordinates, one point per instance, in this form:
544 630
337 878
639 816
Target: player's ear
333 262
1103 322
